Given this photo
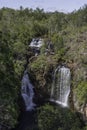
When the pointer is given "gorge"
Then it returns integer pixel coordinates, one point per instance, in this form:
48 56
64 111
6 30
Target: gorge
43 69
59 92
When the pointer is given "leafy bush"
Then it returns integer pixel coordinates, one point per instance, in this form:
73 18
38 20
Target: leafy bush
81 91
56 118
39 63
58 42
8 82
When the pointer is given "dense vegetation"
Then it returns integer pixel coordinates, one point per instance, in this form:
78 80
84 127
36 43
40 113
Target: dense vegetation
56 118
68 34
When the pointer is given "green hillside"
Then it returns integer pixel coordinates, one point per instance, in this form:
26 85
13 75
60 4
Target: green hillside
68 35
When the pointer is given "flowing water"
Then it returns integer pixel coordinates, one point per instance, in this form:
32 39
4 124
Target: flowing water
27 92
36 42
61 86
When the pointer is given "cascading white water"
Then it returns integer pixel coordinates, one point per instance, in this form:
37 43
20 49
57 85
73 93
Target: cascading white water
36 42
61 86
27 92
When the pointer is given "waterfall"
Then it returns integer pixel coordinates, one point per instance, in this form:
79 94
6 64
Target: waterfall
61 86
27 92
36 42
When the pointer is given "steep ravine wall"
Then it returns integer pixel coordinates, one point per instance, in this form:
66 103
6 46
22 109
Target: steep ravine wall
78 73
42 80
41 70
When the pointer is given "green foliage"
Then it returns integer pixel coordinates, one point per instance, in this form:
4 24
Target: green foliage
58 42
39 63
55 22
17 28
81 91
8 82
39 29
43 49
56 118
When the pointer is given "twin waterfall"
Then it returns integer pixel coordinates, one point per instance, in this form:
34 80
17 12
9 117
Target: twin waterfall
59 92
27 92
61 86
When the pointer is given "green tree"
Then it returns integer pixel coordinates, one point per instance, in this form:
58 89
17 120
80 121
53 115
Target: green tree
8 82
82 92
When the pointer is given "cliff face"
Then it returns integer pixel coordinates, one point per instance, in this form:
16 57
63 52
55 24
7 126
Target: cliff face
74 55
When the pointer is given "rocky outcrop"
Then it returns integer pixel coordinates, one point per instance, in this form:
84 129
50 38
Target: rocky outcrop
42 67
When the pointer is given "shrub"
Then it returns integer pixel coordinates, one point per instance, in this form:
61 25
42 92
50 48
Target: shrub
56 118
81 91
